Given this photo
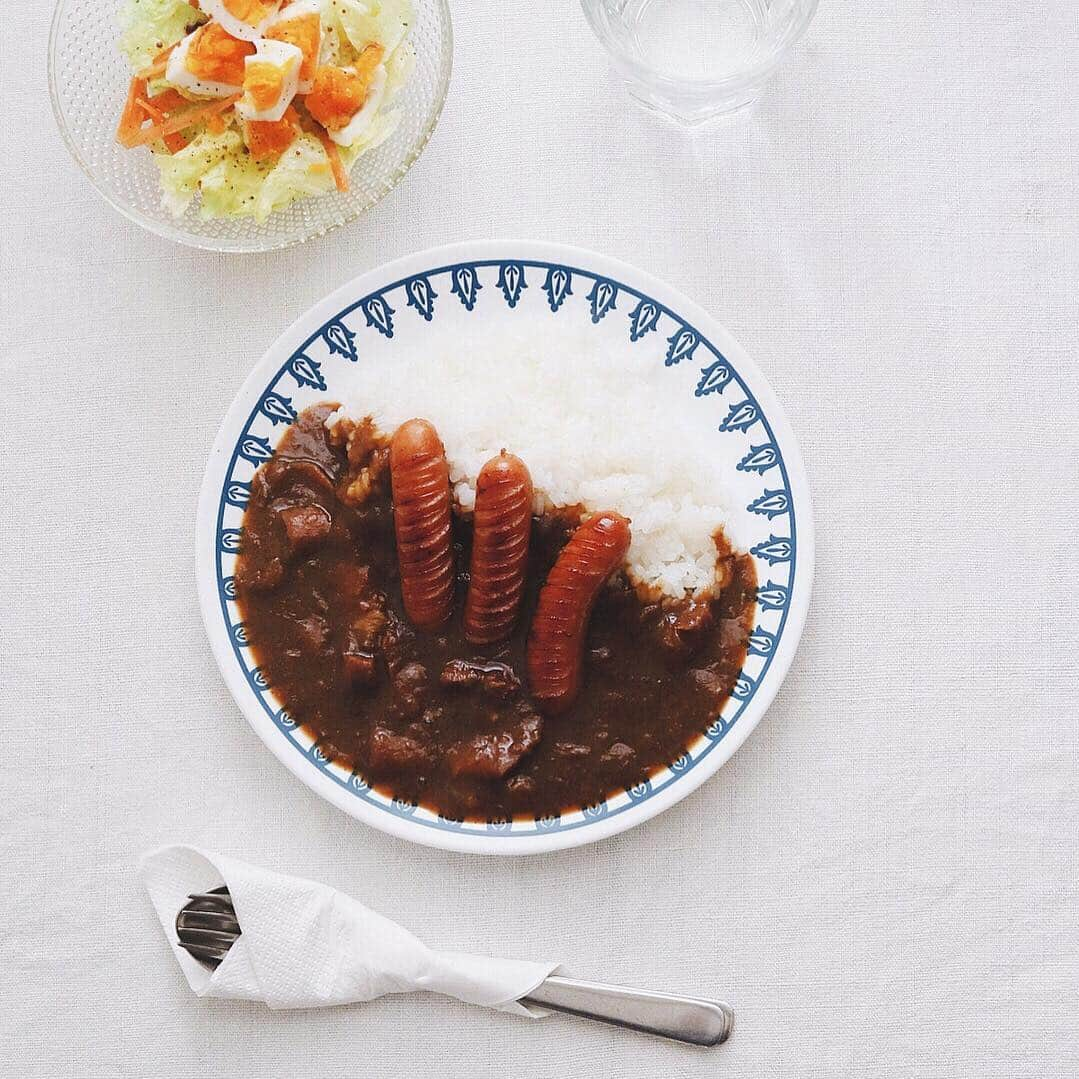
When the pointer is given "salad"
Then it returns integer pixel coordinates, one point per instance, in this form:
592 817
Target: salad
252 104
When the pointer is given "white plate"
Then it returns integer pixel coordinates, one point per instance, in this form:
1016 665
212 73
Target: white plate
394 306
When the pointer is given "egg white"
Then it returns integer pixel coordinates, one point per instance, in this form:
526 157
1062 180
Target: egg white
363 117
176 72
287 58
294 11
244 31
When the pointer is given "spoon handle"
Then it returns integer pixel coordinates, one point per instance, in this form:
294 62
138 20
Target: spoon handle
685 1019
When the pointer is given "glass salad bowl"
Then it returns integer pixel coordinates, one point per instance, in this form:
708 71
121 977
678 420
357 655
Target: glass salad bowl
88 83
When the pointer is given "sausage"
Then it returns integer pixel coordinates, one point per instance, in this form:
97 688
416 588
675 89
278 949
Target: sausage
556 642
420 479
502 526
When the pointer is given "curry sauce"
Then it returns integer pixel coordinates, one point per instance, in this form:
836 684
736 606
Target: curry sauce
424 715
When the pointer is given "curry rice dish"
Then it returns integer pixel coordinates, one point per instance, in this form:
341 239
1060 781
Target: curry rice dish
485 664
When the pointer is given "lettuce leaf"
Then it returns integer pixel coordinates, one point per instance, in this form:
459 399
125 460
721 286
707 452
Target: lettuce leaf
398 69
382 127
385 21
182 172
336 48
148 26
303 169
233 184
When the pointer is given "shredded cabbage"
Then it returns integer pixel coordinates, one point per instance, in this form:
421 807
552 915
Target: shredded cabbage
151 25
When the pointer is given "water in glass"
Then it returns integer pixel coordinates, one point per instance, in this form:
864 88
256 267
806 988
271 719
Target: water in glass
696 59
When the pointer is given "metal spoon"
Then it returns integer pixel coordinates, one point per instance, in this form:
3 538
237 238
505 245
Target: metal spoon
207 927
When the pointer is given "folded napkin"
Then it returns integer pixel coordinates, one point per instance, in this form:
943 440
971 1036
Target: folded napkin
304 945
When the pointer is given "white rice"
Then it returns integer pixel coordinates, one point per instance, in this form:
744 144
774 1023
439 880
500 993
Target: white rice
603 431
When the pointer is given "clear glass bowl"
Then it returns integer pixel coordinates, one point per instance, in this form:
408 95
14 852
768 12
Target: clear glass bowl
88 80
695 60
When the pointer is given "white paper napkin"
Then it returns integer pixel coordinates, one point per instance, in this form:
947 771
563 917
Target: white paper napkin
305 945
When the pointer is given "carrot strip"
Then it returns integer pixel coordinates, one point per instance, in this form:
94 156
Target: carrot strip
340 174
152 113
129 131
158 65
163 106
169 101
175 142
130 125
180 120
337 166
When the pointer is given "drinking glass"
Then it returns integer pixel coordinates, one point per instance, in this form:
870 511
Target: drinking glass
695 60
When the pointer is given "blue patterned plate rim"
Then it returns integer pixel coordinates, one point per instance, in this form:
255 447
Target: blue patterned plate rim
333 331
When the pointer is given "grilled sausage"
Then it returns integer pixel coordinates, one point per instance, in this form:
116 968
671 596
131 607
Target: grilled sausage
556 643
420 479
502 525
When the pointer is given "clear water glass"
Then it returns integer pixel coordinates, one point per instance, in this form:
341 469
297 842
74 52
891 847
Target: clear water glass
696 60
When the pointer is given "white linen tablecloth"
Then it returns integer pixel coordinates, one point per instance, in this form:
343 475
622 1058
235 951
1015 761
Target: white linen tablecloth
883 881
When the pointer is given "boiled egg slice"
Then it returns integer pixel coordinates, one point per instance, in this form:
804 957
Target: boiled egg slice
300 24
361 121
245 19
271 77
209 62
271 138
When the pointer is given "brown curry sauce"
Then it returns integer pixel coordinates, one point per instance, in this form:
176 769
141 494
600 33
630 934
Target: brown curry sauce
425 716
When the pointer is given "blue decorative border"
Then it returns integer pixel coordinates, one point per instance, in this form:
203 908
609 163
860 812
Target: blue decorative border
776 556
